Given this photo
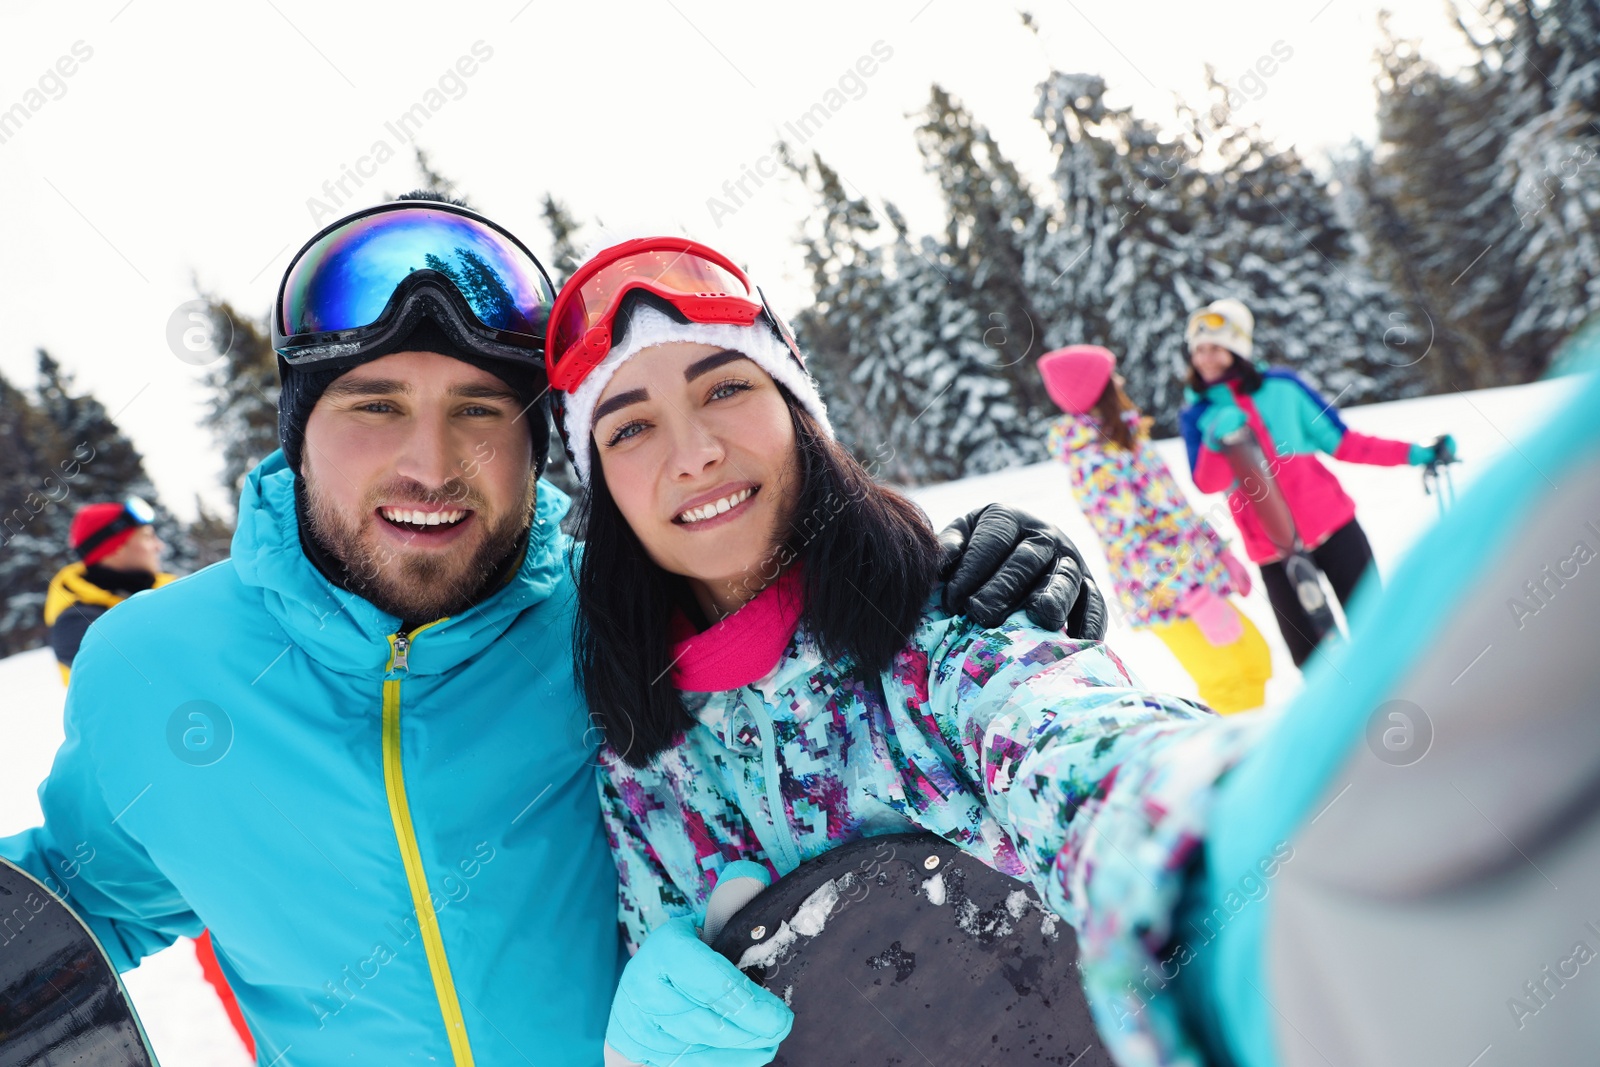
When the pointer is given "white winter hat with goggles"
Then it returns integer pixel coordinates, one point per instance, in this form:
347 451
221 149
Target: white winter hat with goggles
653 291
1222 322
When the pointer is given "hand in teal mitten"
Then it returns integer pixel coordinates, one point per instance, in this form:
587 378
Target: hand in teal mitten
1443 450
1221 418
680 1004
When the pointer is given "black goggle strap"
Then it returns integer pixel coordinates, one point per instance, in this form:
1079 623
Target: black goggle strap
780 327
125 521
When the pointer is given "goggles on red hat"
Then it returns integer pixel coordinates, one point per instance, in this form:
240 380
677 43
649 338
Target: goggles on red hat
135 512
693 281
367 279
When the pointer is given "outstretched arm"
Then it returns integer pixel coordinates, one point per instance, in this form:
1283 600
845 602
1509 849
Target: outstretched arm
1104 788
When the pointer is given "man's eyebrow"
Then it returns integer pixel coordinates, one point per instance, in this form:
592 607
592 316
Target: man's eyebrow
621 400
348 387
710 363
485 391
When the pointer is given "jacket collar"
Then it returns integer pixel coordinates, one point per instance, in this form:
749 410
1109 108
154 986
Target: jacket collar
345 632
744 647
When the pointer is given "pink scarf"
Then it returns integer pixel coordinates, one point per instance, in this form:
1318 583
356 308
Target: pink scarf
742 648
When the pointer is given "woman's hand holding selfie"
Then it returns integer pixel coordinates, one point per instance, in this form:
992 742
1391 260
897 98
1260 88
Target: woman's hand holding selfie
681 1004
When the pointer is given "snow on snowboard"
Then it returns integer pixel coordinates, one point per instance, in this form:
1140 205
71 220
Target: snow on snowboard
61 1002
903 949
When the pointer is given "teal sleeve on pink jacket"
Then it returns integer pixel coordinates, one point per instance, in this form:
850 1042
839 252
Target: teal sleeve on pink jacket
1293 423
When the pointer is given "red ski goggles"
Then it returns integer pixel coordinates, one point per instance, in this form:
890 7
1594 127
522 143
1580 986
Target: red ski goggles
353 283
699 283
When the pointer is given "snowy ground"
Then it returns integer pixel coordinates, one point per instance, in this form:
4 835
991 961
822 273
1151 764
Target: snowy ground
186 1024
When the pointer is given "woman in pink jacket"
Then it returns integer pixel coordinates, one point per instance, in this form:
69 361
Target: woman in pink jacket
1293 423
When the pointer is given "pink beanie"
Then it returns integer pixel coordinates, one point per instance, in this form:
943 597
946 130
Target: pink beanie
1075 376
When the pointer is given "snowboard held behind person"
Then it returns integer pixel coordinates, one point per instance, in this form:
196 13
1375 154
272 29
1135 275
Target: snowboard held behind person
354 750
1171 572
1226 392
761 638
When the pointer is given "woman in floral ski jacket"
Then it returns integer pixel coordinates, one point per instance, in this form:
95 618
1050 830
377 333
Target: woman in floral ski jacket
1171 572
761 640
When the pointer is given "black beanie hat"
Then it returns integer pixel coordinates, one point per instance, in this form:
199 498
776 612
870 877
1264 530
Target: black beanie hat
303 386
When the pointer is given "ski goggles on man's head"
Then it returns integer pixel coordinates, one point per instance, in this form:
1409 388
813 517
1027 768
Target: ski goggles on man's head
696 282
353 283
135 512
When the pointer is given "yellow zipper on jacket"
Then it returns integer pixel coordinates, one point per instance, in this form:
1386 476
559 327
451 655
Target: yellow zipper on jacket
400 813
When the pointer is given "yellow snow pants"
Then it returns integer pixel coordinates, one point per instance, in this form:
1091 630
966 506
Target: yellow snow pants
1231 677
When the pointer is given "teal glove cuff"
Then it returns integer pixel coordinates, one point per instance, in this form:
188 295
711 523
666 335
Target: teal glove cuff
1420 455
680 1004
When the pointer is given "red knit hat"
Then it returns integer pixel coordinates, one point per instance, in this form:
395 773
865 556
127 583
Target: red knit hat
1075 376
98 530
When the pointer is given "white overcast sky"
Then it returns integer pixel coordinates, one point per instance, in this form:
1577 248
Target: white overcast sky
186 147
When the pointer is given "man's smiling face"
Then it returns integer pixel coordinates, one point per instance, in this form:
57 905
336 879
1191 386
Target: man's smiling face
419 475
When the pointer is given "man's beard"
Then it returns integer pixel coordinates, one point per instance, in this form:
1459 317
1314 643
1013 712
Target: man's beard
418 586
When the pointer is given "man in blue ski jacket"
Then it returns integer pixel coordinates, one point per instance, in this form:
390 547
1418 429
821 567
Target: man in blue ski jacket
355 751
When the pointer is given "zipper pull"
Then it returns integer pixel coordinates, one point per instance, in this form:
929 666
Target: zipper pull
402 647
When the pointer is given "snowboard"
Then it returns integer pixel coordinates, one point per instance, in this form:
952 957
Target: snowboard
61 1002
902 949
1253 472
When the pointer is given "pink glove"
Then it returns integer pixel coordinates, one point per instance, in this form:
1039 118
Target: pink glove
1219 621
1238 574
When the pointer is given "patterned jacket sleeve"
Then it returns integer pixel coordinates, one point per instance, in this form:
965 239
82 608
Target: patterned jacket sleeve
1105 788
646 894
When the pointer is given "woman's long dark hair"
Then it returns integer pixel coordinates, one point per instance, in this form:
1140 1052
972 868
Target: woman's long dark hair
1248 375
869 557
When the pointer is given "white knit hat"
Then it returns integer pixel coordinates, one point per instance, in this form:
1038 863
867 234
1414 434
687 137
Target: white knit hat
648 327
1233 333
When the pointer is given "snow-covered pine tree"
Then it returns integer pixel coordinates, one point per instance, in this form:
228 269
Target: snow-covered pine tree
1551 165
1480 199
242 411
1273 238
953 415
841 333
1117 260
83 427
990 211
566 246
34 495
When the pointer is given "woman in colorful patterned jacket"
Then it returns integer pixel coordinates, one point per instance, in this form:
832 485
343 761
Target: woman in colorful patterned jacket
761 642
1226 392
1171 572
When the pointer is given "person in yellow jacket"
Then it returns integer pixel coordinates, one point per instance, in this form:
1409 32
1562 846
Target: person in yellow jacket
119 555
1172 574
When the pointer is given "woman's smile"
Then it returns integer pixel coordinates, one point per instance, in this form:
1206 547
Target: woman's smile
716 508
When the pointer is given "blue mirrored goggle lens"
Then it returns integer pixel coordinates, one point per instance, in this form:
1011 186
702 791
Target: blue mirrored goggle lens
140 510
345 279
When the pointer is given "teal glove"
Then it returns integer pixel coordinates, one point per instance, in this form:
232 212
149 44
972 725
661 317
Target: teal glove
680 1004
1443 450
1220 419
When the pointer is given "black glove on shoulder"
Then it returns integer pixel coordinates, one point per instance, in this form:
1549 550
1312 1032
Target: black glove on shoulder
998 559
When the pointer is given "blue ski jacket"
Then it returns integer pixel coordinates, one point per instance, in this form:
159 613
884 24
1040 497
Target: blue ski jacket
393 838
